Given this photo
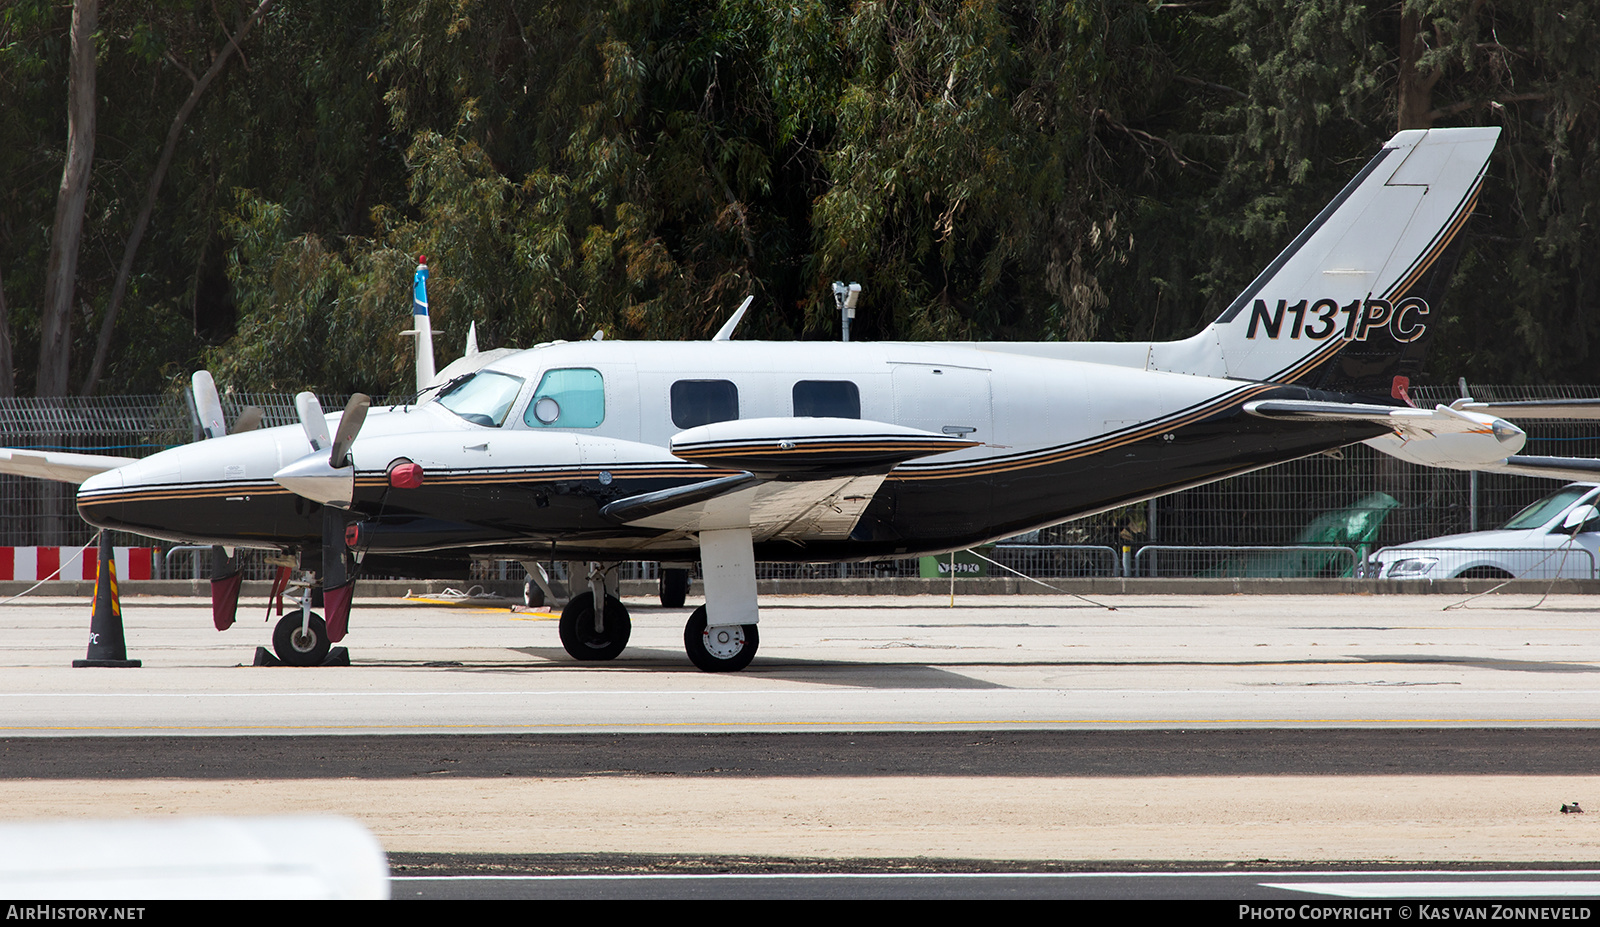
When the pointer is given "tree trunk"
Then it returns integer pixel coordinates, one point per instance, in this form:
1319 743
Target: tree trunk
152 191
8 387
55 323
1414 90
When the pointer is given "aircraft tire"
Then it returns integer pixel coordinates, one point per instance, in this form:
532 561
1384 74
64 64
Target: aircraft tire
577 628
532 595
673 586
297 649
733 652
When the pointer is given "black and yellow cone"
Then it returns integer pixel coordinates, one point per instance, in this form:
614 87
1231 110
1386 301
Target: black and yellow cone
107 646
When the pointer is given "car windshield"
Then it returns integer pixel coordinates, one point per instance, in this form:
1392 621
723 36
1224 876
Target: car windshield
483 398
1537 514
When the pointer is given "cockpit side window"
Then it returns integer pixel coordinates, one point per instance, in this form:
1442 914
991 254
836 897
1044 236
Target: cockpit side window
483 398
701 402
569 397
827 399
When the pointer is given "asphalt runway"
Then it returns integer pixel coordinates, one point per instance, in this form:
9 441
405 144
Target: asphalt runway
1028 731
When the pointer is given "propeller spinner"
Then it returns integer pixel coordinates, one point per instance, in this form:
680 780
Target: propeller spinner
325 475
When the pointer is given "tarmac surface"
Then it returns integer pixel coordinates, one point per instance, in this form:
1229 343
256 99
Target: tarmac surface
1199 729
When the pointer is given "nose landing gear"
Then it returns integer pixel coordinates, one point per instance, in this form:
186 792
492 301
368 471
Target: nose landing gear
301 641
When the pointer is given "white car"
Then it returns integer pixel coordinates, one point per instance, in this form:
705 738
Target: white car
1556 537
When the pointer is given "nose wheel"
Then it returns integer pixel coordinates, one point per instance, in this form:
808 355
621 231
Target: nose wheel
720 648
301 643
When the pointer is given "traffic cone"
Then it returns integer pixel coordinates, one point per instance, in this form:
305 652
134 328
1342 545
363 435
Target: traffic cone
107 646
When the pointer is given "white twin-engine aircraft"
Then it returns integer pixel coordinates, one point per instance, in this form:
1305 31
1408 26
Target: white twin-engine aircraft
728 453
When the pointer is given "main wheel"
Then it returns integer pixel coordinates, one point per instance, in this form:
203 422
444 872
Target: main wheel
297 647
532 595
582 640
673 586
720 649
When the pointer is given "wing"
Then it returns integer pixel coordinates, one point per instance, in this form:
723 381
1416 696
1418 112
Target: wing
771 509
800 477
61 466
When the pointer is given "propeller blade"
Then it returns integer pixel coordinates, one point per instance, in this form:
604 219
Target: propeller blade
355 413
312 420
249 419
208 404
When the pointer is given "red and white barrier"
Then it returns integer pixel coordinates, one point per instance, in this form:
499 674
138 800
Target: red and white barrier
35 563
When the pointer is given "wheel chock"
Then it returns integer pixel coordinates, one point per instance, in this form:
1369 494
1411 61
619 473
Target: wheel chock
338 656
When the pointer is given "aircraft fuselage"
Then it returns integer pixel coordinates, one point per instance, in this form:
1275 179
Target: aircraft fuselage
1059 439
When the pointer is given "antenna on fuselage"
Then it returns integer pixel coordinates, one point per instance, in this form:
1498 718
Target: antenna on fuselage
421 328
725 333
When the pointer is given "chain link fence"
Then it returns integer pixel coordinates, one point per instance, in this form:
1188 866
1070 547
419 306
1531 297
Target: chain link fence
1268 508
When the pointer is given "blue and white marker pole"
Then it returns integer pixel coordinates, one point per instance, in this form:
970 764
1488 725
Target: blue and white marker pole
421 329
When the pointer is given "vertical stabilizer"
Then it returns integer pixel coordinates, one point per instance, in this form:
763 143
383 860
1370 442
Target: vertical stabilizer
1350 304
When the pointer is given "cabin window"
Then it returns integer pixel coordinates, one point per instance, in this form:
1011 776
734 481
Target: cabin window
482 398
701 402
827 399
571 397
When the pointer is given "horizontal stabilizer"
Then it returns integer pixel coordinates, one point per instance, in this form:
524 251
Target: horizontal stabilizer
62 466
1406 420
1437 437
1581 469
1574 409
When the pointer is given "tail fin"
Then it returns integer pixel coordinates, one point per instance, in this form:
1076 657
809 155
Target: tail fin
1350 304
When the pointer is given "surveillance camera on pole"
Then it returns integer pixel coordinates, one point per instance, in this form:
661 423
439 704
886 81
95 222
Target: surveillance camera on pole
846 297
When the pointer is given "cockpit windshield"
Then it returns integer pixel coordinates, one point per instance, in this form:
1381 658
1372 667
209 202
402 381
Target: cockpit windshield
483 398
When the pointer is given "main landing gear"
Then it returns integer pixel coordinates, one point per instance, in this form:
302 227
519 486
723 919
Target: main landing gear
588 636
672 585
720 649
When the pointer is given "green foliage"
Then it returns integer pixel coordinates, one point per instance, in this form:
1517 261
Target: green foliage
1007 169
310 316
